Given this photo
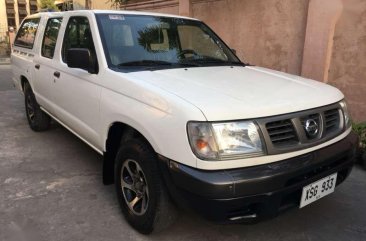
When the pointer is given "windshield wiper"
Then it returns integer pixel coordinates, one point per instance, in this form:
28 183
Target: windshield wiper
155 63
144 63
216 61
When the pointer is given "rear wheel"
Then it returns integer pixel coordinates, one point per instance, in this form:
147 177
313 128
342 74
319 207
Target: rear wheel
141 193
37 119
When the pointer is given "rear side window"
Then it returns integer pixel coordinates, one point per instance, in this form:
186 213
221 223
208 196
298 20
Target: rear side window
27 33
50 37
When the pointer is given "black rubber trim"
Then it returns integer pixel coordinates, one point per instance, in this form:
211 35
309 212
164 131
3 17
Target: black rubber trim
264 190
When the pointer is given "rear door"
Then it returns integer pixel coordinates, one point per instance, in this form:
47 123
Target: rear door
44 64
25 47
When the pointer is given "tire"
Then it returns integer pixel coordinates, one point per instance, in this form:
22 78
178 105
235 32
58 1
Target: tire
37 119
137 177
363 160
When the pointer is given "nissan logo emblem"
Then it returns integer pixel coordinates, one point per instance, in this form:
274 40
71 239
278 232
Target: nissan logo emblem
311 127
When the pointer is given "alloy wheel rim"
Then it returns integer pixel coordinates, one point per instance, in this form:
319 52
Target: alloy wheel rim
134 187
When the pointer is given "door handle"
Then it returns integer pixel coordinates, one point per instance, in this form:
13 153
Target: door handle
37 66
56 74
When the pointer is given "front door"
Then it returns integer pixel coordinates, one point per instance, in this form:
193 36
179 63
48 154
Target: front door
76 92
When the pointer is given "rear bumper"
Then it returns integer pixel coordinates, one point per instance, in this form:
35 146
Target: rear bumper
259 192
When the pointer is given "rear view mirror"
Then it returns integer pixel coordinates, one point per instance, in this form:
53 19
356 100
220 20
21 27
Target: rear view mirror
81 58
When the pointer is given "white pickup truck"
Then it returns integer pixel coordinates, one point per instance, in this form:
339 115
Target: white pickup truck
179 118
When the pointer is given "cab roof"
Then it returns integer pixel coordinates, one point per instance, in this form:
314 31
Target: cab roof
126 12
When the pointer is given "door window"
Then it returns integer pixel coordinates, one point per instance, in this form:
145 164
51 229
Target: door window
77 35
50 37
27 33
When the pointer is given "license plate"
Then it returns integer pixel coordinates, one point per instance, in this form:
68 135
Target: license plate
318 189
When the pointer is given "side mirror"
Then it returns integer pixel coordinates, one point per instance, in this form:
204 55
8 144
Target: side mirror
82 59
234 51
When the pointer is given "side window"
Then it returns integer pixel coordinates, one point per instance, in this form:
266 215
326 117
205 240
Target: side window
50 37
27 33
77 35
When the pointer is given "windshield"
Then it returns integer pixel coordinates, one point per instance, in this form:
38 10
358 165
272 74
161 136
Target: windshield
132 42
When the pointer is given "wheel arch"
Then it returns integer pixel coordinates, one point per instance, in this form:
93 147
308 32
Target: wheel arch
118 132
24 80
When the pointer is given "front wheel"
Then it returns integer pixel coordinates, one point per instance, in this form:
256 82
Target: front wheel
141 193
37 119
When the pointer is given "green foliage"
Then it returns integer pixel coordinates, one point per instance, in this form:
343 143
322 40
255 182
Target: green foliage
360 129
119 3
47 4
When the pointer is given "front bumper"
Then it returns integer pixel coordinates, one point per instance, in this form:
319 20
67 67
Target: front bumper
259 192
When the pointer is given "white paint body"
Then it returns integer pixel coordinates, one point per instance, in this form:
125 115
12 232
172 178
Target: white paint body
160 103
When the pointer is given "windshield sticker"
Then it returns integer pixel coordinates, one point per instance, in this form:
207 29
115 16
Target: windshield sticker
116 17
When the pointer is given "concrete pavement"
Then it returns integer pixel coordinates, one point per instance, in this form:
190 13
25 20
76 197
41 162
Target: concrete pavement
51 190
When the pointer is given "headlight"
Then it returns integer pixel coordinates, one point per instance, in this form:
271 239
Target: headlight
346 114
224 141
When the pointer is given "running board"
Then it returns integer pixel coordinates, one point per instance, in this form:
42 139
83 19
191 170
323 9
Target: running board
73 132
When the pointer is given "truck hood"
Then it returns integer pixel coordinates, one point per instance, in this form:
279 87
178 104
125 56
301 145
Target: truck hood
230 93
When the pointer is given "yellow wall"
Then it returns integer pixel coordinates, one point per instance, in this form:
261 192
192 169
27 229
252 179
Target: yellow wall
102 5
3 20
3 29
95 4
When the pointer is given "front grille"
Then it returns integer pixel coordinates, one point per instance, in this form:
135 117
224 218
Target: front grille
331 120
282 133
296 131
